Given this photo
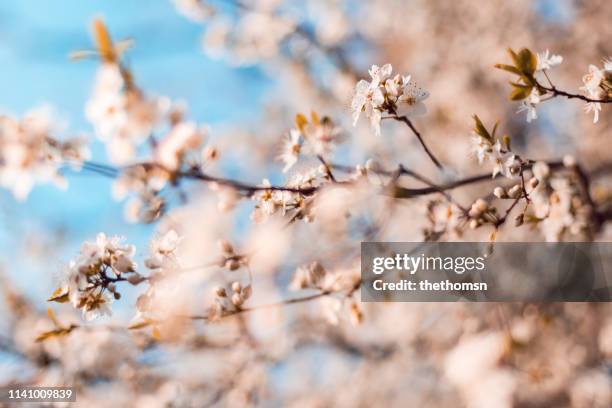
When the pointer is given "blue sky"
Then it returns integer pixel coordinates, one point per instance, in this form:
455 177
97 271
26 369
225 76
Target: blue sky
35 40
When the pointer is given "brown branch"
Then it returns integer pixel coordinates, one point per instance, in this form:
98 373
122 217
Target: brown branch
399 192
238 185
327 168
285 302
558 92
407 121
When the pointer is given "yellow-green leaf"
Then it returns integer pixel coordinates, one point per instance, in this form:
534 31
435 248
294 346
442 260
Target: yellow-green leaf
314 117
62 331
480 129
140 325
519 91
59 296
495 129
509 68
300 121
103 41
528 61
156 334
515 57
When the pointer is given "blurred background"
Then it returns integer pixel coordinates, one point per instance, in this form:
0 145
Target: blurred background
245 69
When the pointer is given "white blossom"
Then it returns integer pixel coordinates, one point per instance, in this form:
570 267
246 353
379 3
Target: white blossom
121 115
183 137
592 81
546 61
322 137
380 74
529 105
595 108
368 99
410 102
267 202
481 148
30 154
396 96
504 162
195 10
88 281
163 250
291 149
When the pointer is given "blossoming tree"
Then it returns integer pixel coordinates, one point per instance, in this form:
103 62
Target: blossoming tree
219 315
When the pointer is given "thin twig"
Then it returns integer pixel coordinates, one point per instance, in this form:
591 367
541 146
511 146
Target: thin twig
407 121
558 92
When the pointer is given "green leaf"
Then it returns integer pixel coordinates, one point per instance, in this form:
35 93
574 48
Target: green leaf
494 129
481 130
519 91
300 122
62 331
509 68
528 61
514 56
59 296
104 41
140 325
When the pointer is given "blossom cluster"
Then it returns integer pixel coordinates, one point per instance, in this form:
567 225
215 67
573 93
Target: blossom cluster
598 86
558 205
527 89
487 147
317 137
30 154
122 116
530 91
293 199
90 280
397 96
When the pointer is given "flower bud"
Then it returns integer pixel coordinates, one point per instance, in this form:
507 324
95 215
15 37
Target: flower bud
569 161
478 208
232 264
220 291
500 192
237 300
540 170
515 191
481 205
474 224
236 287
533 182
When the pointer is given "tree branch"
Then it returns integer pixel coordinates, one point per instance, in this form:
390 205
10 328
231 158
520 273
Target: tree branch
407 121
